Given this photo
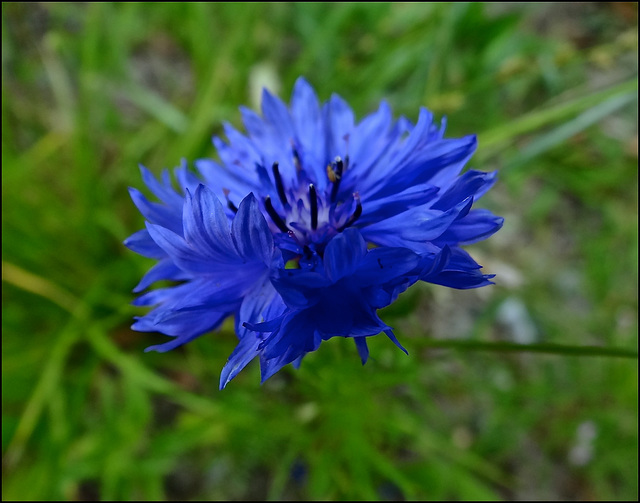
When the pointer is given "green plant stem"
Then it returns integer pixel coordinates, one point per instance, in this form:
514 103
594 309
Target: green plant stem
553 349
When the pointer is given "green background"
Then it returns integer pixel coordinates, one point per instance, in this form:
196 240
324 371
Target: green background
89 91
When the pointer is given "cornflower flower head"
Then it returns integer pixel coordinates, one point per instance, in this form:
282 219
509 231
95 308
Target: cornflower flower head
306 227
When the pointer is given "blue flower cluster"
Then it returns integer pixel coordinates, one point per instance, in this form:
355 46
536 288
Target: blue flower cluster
306 227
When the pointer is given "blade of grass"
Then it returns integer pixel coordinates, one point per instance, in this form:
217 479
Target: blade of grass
54 366
157 107
39 286
568 129
496 139
430 442
82 322
145 377
44 389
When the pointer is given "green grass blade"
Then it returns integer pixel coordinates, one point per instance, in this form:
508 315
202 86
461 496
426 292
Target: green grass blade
494 140
562 133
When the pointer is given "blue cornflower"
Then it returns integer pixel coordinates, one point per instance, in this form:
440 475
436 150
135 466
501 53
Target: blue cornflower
324 221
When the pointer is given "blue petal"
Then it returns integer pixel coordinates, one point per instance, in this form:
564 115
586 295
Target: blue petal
141 242
295 337
414 226
368 177
260 304
338 117
244 352
187 180
276 113
363 349
255 126
154 297
156 213
231 179
388 206
185 257
391 335
447 158
371 138
293 340
418 135
343 311
462 280
343 254
163 191
240 152
384 264
297 362
476 226
184 329
206 226
444 158
460 271
269 326
370 131
272 143
223 294
270 367
299 288
307 120
163 270
186 324
250 231
471 184
217 295
378 296
435 262
365 323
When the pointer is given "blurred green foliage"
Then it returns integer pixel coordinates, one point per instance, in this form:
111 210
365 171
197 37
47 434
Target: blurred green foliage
91 90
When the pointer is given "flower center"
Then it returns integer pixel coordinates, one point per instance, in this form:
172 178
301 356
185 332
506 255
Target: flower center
310 216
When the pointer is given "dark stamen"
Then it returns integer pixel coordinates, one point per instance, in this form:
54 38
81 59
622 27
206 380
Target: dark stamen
279 185
355 216
313 199
277 219
296 159
337 176
232 206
